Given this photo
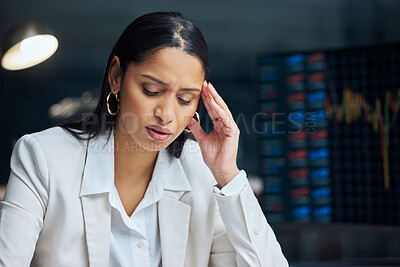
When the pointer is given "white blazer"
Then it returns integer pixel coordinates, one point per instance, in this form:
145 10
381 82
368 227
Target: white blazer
53 215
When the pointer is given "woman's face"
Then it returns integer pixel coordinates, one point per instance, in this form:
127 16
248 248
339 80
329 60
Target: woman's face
158 97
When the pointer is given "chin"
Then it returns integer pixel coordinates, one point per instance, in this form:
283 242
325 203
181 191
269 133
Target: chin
154 146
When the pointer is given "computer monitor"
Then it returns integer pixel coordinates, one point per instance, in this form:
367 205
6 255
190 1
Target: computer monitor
329 134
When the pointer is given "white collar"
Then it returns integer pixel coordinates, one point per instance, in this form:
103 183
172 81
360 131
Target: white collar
98 175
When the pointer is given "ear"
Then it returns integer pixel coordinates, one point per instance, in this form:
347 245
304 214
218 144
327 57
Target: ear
115 75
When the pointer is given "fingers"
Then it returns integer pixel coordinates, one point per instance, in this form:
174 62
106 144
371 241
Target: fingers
220 113
210 94
226 124
218 99
197 131
206 100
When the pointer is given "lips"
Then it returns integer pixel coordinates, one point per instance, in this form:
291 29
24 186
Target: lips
159 129
158 133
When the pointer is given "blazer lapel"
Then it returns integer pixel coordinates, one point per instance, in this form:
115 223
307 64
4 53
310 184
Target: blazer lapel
97 216
97 180
173 214
174 217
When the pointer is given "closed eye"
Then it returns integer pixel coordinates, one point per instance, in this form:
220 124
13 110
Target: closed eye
149 93
184 102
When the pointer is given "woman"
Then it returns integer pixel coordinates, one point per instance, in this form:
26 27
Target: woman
124 186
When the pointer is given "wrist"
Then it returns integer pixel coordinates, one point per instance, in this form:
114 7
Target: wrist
223 178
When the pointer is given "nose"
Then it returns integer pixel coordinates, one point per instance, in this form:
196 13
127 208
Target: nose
164 111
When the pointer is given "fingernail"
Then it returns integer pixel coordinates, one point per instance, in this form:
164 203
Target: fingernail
204 85
211 86
203 92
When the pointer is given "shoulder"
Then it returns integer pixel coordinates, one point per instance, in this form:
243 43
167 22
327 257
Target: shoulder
54 136
194 165
49 135
191 155
48 156
191 151
52 143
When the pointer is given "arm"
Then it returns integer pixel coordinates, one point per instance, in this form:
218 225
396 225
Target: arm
24 205
246 226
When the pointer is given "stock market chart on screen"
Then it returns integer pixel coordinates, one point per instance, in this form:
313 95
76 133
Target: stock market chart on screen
329 134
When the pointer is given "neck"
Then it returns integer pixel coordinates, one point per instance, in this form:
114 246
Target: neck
133 166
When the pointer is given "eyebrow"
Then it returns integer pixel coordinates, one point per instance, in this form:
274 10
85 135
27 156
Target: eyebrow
165 84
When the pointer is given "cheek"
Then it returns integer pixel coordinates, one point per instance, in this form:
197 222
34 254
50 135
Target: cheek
134 109
134 102
187 114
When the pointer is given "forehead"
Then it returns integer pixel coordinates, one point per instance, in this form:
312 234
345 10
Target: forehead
171 65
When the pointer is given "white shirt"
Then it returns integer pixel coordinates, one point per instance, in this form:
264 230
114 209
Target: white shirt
135 240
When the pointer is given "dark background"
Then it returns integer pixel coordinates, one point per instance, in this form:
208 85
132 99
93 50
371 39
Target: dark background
236 31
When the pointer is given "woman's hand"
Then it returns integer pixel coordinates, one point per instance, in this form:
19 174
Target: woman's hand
219 148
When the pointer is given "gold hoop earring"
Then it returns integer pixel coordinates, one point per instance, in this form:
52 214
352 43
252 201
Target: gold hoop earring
198 120
108 104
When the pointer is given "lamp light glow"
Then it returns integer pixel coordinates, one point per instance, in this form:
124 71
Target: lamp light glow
27 45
